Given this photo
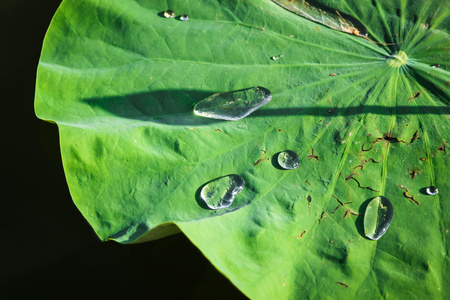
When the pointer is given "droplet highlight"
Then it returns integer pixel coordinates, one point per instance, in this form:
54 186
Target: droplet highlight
169 14
378 217
274 57
432 190
184 17
288 159
220 193
233 105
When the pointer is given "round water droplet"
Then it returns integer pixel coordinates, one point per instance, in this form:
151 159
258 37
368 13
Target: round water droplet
274 57
378 217
233 105
432 190
436 66
288 159
184 17
169 13
220 192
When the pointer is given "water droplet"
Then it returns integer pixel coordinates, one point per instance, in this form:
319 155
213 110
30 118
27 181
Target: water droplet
233 105
169 13
220 193
288 159
274 57
378 217
432 190
184 17
436 66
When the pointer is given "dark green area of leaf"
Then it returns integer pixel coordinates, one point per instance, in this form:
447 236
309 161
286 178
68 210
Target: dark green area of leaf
120 80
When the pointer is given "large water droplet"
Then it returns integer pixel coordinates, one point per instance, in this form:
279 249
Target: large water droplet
220 192
432 190
288 159
184 17
378 217
233 105
169 13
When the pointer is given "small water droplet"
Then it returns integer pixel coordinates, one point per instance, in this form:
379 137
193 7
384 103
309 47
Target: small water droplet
432 190
184 17
436 66
288 159
220 192
378 217
274 57
169 13
226 106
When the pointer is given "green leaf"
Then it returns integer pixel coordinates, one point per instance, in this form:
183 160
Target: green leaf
366 119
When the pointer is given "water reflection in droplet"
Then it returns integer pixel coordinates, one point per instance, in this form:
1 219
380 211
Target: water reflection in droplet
432 190
288 159
378 217
220 192
169 13
233 105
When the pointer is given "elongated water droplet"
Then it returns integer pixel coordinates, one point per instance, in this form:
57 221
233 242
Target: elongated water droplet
432 190
184 17
288 159
233 105
220 192
378 217
169 13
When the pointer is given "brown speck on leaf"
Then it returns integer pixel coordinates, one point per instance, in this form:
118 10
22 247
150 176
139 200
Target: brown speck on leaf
406 192
441 148
300 235
262 158
258 162
332 74
218 130
343 284
416 94
423 158
263 29
279 130
414 137
312 156
413 173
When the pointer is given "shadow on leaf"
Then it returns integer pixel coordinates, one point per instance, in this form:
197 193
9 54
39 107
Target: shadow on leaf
174 107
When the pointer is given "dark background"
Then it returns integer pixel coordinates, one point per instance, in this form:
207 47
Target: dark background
47 249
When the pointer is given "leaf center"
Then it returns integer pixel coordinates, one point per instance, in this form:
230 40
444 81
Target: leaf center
398 59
